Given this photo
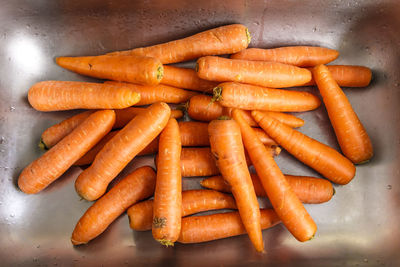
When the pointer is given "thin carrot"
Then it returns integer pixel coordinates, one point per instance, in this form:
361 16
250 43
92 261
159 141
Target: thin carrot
60 95
50 166
167 206
261 73
285 118
193 201
309 190
348 76
157 93
251 97
282 197
324 159
134 187
120 150
227 148
222 40
350 133
301 56
134 69
186 78
197 229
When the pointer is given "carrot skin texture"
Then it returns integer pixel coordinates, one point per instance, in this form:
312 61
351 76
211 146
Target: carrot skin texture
50 166
186 78
197 229
134 187
301 56
194 133
227 148
60 95
167 206
251 97
193 201
310 190
218 41
267 74
350 133
322 158
120 150
134 69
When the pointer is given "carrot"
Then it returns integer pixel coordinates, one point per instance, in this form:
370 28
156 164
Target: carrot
348 76
268 74
136 186
158 93
350 133
222 40
282 197
134 69
193 201
194 133
167 207
285 118
301 56
227 148
186 78
197 229
59 95
120 150
324 159
198 162
51 165
310 190
251 97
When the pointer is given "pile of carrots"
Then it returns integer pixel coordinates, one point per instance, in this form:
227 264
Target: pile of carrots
237 107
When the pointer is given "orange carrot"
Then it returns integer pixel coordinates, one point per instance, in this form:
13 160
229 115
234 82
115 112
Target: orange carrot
285 118
134 69
158 93
186 78
136 186
222 40
310 190
198 162
324 159
348 76
350 133
301 56
261 73
58 95
282 197
197 229
194 133
120 150
50 166
251 97
167 206
193 201
227 148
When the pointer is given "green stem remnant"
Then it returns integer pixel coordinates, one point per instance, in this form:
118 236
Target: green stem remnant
165 242
160 73
217 94
248 36
42 145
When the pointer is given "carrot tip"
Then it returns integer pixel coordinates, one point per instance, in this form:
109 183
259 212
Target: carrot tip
196 68
42 145
165 242
363 162
160 73
217 94
334 191
248 35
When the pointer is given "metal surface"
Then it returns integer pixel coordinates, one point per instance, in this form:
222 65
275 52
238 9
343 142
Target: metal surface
359 226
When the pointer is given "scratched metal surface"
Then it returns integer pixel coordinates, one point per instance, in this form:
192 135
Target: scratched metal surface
358 227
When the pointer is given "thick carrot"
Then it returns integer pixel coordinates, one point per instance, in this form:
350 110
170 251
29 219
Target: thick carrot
350 133
197 229
261 73
193 201
157 93
186 78
227 148
50 166
60 95
136 186
310 190
134 69
348 76
251 97
198 162
282 197
324 159
121 149
194 133
301 56
222 40
167 206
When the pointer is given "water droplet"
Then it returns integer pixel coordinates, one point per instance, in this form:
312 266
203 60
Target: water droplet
365 260
389 186
12 215
2 140
35 259
314 29
38 246
256 23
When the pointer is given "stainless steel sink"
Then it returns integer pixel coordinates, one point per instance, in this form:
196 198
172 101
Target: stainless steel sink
358 227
